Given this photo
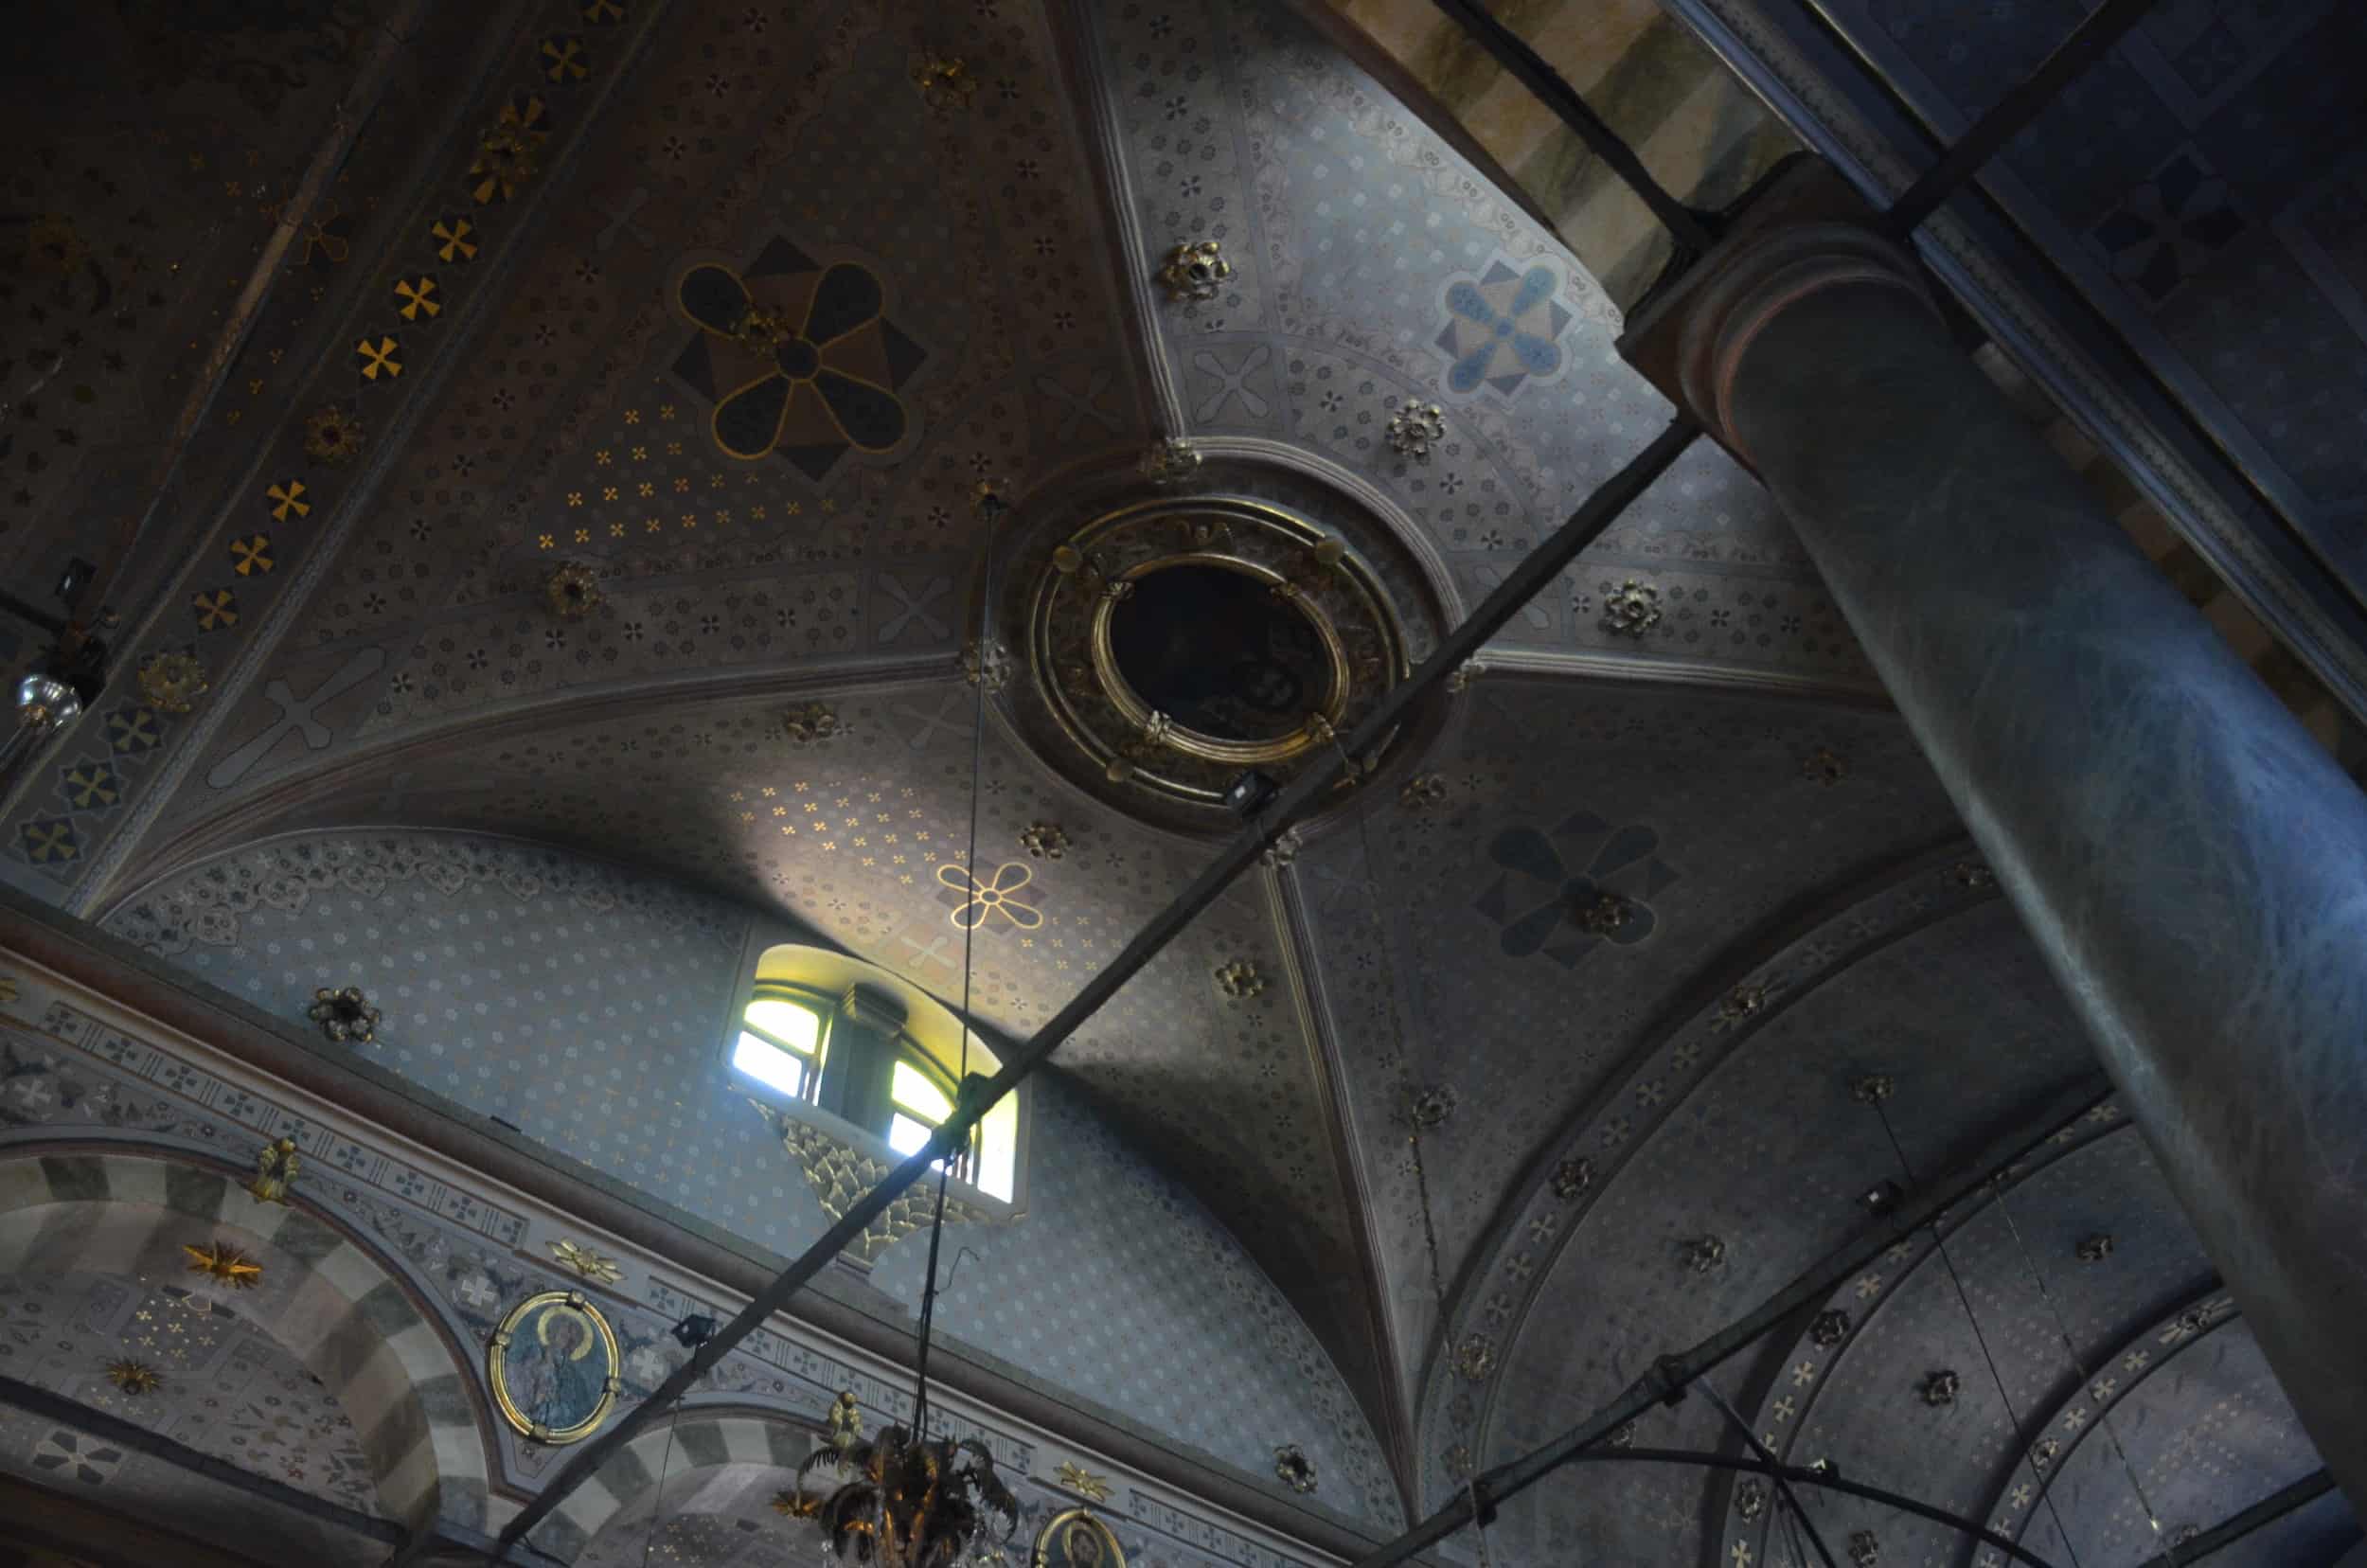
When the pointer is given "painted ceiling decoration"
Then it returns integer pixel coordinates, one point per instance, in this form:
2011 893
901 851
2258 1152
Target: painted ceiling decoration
578 587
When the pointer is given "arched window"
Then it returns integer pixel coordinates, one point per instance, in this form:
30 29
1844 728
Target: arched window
821 1032
782 1042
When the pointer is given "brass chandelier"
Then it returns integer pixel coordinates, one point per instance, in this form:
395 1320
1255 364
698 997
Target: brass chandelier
908 1500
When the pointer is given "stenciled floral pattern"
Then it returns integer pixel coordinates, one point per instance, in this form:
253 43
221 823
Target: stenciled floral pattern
799 359
1503 330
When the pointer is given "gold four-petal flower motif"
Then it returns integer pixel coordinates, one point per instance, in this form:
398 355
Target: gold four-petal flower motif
993 894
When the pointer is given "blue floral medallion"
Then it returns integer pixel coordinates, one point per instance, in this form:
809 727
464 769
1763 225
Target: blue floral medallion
1503 329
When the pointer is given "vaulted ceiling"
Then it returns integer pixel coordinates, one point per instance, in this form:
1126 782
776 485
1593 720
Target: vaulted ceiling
492 366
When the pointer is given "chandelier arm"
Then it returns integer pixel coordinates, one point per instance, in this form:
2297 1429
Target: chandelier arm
1783 1474
1302 795
1783 1481
1671 1375
991 507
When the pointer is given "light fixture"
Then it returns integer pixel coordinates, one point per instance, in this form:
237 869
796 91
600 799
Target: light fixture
908 1504
1249 794
46 702
908 1500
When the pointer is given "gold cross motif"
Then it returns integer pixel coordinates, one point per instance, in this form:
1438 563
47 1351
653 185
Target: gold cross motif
251 557
418 295
215 610
456 239
563 59
379 357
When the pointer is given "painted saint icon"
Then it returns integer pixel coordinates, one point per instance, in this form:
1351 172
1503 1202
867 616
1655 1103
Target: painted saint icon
554 1367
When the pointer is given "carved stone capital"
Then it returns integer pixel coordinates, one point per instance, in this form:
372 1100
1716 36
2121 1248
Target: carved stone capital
1802 231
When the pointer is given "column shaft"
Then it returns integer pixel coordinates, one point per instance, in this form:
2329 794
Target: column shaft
2193 865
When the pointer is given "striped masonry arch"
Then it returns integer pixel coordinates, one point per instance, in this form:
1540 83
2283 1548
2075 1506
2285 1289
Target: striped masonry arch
713 1452
328 1301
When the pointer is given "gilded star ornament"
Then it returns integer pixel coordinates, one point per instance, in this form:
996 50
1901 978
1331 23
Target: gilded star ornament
1171 461
172 682
1293 1468
1475 1358
1824 766
1573 1177
1604 914
586 1262
1631 608
1416 430
1422 792
1240 980
1864 1551
987 664
224 1264
810 722
345 1015
1940 1388
333 436
944 81
1702 1253
1044 840
1285 849
135 1378
1742 1004
573 591
1084 1483
1427 1109
1874 1089
1195 269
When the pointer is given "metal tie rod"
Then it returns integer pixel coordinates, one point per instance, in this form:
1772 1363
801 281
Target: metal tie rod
2010 116
1671 1375
1690 228
1302 795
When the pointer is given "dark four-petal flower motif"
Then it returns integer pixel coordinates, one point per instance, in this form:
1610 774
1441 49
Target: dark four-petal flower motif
799 359
1556 888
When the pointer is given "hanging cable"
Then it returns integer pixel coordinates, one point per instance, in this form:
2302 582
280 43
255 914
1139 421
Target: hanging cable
657 1506
1783 1485
991 507
1354 774
2070 1353
1939 1244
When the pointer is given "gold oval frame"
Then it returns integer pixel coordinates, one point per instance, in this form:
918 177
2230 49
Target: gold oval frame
1098 710
1078 1516
532 1430
1192 742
